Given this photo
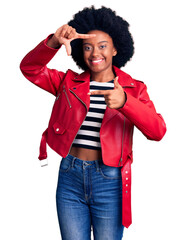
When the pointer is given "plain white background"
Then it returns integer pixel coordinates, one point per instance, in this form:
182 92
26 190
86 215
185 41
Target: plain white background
27 202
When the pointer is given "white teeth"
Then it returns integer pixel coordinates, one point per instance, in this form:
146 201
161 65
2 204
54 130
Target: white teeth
96 61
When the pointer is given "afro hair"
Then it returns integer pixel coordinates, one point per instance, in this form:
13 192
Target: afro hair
106 20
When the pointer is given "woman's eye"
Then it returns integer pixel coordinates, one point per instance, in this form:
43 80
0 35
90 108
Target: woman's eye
87 48
102 46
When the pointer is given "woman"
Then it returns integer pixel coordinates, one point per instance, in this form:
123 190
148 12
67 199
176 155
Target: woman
92 121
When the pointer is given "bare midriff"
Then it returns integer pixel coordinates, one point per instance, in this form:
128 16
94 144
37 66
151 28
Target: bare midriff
85 154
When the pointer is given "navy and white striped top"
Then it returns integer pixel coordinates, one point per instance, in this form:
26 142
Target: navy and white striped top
88 135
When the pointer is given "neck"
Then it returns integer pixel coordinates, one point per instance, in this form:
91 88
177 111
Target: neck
104 76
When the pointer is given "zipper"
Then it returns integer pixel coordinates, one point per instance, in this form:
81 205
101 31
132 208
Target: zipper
121 159
58 96
84 118
64 90
131 136
79 99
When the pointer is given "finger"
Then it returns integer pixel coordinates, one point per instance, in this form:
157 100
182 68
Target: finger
72 34
63 32
85 36
108 97
68 47
68 31
59 30
100 92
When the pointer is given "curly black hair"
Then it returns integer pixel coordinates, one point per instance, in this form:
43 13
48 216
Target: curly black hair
106 20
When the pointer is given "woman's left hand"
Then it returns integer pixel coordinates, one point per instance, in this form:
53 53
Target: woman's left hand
114 98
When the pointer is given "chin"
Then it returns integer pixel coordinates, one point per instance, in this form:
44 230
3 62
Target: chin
98 69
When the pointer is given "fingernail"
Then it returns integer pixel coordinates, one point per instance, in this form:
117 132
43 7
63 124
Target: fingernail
89 93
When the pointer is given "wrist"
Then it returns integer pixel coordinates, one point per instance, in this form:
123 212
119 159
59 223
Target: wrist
53 42
124 101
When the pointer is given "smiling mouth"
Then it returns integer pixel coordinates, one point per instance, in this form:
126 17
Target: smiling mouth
96 61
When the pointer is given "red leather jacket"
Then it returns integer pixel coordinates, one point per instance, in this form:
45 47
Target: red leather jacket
72 104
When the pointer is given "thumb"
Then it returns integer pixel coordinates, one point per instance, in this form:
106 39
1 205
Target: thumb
116 83
68 47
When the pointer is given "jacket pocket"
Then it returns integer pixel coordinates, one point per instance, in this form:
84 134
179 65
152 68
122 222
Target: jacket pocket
58 128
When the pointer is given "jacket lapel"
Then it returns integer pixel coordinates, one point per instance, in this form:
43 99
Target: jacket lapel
80 87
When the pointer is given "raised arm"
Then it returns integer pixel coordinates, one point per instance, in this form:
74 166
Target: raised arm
33 65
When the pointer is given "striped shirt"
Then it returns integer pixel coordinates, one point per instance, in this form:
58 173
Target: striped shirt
88 135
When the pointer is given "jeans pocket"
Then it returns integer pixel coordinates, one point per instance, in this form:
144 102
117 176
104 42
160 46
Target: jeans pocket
65 165
110 172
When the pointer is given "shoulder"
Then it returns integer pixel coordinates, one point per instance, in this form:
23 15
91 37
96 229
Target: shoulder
127 80
71 73
139 82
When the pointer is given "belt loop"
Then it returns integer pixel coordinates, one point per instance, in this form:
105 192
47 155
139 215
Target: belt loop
73 160
97 165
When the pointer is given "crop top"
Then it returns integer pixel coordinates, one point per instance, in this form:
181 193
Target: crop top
88 135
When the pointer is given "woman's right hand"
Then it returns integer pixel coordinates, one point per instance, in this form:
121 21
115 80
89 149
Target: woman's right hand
64 35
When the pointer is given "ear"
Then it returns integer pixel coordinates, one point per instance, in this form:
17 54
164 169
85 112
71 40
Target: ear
114 52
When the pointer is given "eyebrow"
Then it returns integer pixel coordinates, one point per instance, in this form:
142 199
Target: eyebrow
98 42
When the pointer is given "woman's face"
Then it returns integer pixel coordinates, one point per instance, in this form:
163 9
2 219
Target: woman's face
99 51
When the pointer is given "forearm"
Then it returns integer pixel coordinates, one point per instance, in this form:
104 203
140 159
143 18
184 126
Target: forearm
38 57
144 117
33 67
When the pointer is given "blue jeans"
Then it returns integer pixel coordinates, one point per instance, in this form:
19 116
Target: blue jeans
89 193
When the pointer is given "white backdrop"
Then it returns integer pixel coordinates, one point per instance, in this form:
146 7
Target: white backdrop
27 202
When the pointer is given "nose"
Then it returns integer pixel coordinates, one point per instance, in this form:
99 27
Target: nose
95 52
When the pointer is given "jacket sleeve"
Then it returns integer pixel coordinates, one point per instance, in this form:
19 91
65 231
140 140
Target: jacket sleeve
142 113
33 67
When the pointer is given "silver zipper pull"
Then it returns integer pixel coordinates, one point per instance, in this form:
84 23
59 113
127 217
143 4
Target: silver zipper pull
58 96
64 90
120 161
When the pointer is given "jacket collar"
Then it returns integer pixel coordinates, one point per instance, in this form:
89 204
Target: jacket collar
124 79
83 77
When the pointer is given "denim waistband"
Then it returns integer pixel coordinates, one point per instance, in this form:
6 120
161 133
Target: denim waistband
78 161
